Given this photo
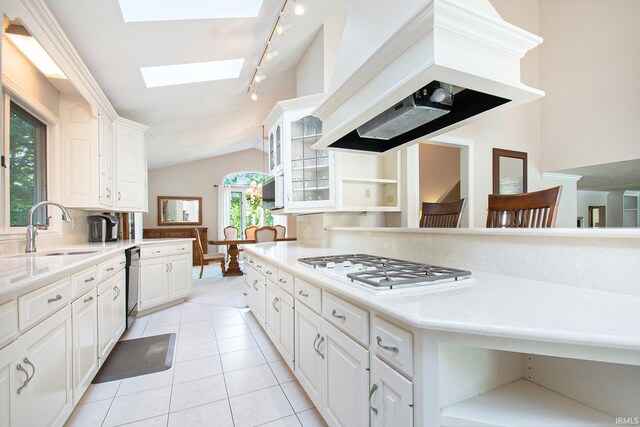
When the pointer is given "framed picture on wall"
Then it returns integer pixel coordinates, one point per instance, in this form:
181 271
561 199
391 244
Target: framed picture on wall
509 171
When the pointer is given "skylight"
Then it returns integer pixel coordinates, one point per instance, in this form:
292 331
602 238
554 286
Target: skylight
168 75
154 10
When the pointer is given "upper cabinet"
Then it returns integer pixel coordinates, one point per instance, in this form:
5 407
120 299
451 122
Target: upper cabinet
103 162
322 180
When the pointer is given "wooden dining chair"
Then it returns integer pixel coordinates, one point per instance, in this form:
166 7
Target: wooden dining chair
249 232
216 257
529 210
282 231
266 234
442 215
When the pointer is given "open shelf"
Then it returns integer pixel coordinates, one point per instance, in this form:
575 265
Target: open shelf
522 403
371 180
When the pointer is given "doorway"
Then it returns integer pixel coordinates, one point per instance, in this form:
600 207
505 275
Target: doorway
597 216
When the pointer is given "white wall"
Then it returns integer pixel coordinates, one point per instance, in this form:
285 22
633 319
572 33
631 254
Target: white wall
310 68
589 72
439 171
198 179
590 198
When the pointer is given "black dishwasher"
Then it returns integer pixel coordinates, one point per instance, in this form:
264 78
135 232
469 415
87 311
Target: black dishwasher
132 269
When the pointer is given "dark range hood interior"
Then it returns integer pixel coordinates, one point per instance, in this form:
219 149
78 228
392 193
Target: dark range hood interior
467 103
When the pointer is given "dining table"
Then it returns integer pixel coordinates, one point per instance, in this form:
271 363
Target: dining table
233 269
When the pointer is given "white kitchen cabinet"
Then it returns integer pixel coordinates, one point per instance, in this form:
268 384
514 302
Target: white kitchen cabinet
84 313
165 278
41 382
308 362
287 321
130 165
275 147
259 297
111 314
391 402
107 154
273 312
345 379
180 276
8 396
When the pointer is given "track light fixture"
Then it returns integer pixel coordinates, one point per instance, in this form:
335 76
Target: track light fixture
279 28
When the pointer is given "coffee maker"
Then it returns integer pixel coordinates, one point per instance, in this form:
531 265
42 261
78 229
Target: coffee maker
103 228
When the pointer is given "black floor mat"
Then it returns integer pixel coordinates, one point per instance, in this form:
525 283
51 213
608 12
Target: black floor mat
140 356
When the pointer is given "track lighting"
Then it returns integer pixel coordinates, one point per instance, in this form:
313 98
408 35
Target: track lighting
298 7
259 76
254 95
269 54
282 26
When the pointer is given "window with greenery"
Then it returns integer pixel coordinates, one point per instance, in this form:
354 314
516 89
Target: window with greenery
27 165
246 211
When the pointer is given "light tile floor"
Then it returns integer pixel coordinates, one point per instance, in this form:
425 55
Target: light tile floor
225 371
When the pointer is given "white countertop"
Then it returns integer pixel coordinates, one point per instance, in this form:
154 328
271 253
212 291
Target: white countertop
22 270
496 305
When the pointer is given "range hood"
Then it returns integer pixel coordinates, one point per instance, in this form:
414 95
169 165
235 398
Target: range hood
436 65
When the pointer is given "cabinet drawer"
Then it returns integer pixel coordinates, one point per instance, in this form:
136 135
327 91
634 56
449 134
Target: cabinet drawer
83 281
309 295
351 319
393 344
271 272
285 280
39 304
8 321
110 267
251 261
164 250
259 265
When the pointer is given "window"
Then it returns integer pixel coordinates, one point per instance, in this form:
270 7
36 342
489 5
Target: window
246 211
27 165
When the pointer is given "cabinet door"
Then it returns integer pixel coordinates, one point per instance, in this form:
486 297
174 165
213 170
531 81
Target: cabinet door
47 356
286 327
119 306
154 282
307 361
345 379
10 379
180 275
105 139
106 321
84 313
259 297
391 397
130 168
273 312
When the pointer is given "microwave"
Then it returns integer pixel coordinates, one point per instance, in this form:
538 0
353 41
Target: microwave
273 193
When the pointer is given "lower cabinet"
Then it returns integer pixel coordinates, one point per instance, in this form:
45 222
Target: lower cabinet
111 314
308 328
391 397
84 313
258 297
345 379
163 279
280 321
36 375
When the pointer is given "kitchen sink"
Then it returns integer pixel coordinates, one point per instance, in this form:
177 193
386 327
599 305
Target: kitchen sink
63 252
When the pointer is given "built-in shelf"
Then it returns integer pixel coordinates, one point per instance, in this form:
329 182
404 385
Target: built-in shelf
299 138
371 180
317 167
522 403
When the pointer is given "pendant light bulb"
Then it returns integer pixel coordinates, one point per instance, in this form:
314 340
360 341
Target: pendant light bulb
254 95
298 8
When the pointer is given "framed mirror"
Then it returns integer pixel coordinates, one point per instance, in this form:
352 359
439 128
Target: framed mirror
509 171
179 210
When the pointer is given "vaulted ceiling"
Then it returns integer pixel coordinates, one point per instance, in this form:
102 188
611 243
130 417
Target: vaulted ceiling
196 120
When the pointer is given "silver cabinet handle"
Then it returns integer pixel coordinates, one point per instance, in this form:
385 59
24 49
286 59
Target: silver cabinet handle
302 294
320 342
115 288
57 298
182 249
258 266
108 193
88 299
254 285
90 279
121 263
250 261
110 269
166 267
273 304
269 273
155 252
119 196
29 378
337 316
386 347
374 387
282 281
170 266
314 343
245 294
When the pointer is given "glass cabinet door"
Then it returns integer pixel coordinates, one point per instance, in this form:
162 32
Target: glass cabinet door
309 168
272 153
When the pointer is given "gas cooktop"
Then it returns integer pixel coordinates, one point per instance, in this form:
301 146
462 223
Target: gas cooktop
386 274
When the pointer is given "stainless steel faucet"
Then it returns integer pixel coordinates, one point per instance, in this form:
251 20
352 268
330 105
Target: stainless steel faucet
32 229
